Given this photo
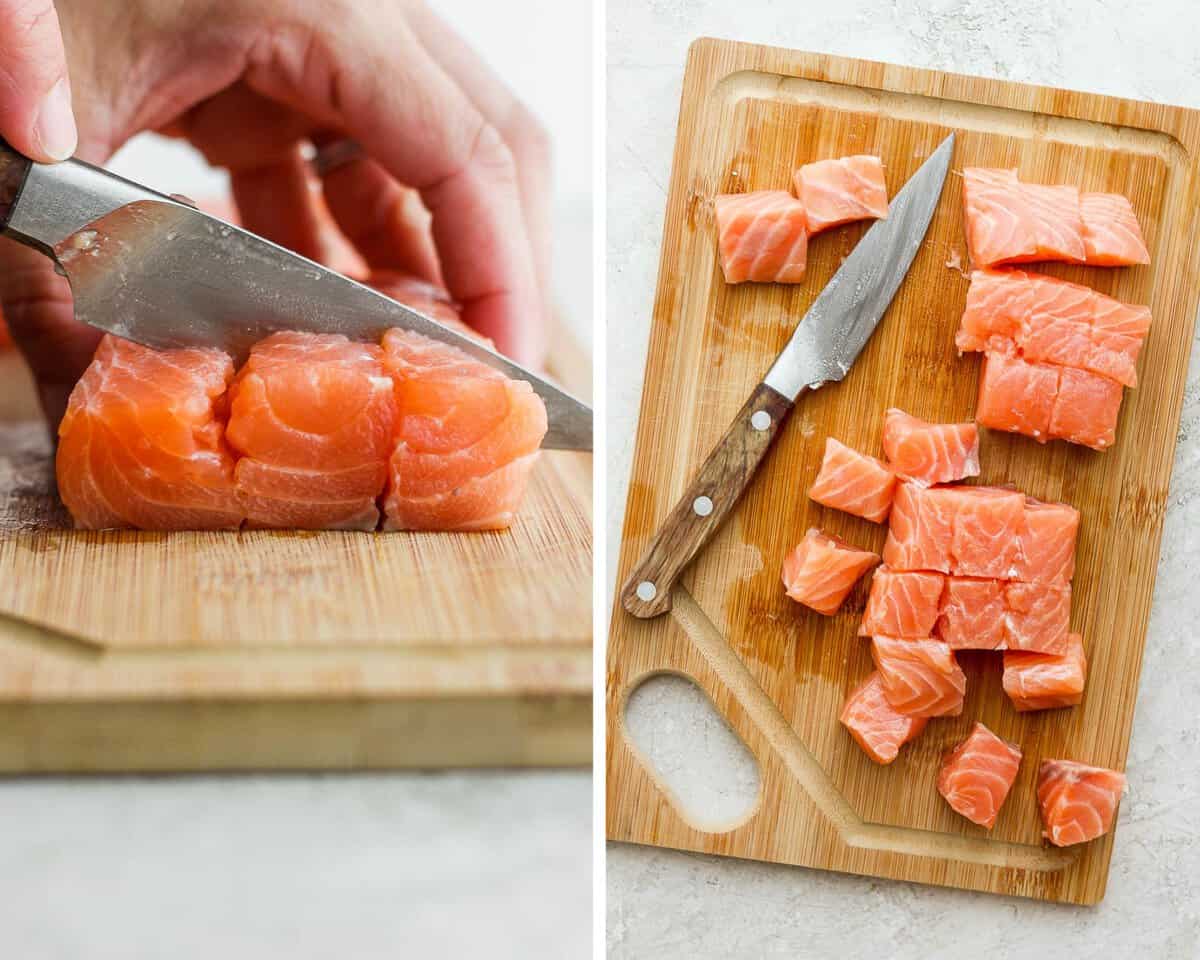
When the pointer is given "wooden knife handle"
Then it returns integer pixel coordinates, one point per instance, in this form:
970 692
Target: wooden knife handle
717 487
13 168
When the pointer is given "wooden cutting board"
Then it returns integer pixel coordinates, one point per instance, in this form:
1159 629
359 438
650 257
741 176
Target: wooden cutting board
200 651
779 673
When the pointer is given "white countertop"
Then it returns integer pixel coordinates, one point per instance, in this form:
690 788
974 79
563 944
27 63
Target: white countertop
666 904
494 864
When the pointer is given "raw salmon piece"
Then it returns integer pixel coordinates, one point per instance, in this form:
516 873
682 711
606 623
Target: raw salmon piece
1078 802
1016 396
920 678
423 296
1044 681
999 303
928 453
1111 235
142 443
987 523
838 191
902 604
822 569
1058 327
999 224
977 775
1086 409
853 482
1118 332
1046 544
466 438
762 237
877 727
921 531
1057 226
972 614
312 417
1037 616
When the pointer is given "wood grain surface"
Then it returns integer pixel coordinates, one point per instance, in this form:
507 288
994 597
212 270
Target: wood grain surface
779 673
125 650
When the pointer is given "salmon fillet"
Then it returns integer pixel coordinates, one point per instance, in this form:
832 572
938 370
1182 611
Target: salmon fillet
1046 542
143 443
920 678
466 438
1044 320
876 726
902 604
1008 221
977 775
1086 409
312 419
853 482
839 191
821 570
928 453
972 614
1042 681
1078 802
1111 234
1037 616
762 237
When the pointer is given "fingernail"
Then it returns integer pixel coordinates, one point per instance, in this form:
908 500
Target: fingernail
55 128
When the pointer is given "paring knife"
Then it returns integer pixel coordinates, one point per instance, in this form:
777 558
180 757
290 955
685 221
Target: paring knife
150 268
823 348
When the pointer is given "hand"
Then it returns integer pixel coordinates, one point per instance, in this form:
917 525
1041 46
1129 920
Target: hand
249 82
35 94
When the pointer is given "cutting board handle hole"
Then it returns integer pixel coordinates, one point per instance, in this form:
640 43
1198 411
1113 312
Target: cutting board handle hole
707 771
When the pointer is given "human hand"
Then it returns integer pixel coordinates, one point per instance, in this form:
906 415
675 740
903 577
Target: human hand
249 83
35 93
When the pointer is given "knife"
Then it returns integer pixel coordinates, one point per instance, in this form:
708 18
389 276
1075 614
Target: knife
150 268
822 349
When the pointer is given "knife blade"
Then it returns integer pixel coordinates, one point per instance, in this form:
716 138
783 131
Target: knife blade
150 268
821 350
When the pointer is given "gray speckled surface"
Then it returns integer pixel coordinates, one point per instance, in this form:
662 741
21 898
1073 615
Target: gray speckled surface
667 904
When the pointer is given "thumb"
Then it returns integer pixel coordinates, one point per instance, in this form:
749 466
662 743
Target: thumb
35 94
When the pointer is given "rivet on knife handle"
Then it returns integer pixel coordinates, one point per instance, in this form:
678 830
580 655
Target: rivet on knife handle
708 500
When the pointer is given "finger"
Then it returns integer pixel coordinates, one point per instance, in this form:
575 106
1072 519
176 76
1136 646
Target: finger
35 94
383 89
276 201
39 310
386 223
525 137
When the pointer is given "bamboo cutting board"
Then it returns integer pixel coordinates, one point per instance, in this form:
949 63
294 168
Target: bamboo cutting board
779 673
253 650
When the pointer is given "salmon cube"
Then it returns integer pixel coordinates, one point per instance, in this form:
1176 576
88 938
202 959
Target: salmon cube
987 525
902 604
1057 225
920 533
1118 332
761 236
1111 234
998 306
977 775
921 678
972 614
1037 616
854 482
1078 801
1000 226
1058 328
1045 681
1046 544
879 729
822 569
1086 409
1017 396
839 191
928 453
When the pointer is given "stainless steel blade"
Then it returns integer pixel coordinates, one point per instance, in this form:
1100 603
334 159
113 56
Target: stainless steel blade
837 326
149 268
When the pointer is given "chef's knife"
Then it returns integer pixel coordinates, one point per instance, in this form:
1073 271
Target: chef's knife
150 268
824 346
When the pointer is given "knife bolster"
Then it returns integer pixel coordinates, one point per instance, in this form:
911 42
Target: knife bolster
13 170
